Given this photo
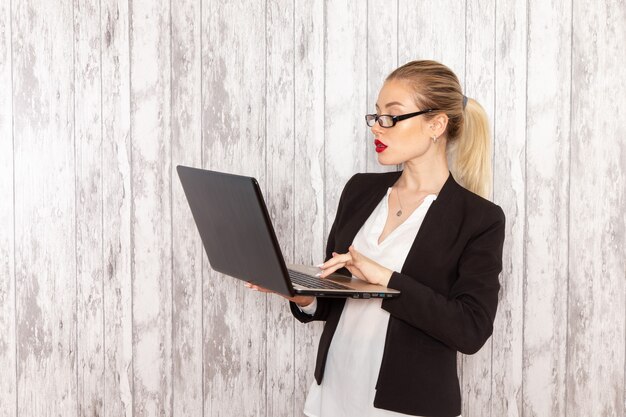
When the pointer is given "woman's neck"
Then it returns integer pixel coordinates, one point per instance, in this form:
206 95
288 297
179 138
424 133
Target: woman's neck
424 175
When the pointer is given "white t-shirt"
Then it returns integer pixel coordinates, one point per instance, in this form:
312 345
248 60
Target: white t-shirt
356 351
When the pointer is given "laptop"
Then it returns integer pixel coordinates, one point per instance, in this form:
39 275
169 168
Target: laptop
239 239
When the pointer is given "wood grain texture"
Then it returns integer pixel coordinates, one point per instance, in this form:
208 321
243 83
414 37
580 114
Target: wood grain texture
186 245
547 186
345 86
116 198
420 34
509 193
596 325
280 167
476 389
308 176
8 382
88 173
45 251
151 211
107 304
233 111
382 58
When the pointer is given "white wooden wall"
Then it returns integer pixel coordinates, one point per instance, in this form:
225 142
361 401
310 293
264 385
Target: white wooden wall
107 304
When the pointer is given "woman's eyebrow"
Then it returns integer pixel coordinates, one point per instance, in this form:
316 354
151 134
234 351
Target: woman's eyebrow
393 103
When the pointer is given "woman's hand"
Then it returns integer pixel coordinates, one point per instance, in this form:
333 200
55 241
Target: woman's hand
359 265
301 300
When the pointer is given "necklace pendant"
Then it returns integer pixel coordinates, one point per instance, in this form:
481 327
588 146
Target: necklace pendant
399 213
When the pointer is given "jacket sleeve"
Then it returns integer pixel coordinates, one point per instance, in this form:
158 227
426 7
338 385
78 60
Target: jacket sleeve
464 320
324 303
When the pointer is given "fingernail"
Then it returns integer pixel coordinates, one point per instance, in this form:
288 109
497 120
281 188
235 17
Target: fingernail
319 274
320 265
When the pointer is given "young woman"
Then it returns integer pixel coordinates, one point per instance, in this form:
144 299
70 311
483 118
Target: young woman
423 231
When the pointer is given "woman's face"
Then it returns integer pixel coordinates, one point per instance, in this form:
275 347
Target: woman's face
409 138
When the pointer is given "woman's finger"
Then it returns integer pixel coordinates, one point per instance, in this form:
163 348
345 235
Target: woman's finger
327 271
257 288
353 253
337 258
298 299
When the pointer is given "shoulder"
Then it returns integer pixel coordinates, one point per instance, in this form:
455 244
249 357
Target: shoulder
483 210
466 209
369 180
364 185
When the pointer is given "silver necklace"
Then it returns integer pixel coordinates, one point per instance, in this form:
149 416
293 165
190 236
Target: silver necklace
399 212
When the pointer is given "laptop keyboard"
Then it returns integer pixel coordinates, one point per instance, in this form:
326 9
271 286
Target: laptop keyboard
309 281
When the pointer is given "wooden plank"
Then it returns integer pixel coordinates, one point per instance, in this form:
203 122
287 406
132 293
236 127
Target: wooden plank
233 112
419 37
88 149
308 177
510 194
547 187
596 298
280 168
479 85
382 58
8 383
345 133
151 233
116 195
186 245
45 252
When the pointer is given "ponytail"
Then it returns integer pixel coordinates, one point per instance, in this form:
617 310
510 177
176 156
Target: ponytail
469 155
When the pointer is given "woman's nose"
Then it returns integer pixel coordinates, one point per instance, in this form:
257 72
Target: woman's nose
376 129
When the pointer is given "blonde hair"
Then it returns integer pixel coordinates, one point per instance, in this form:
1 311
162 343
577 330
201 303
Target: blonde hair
435 86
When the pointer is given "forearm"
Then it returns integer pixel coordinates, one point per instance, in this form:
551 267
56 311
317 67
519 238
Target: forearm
319 309
464 323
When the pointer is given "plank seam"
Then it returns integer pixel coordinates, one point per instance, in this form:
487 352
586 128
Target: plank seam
173 391
293 204
132 205
367 59
102 262
76 355
493 162
464 87
569 176
203 387
265 301
397 42
525 229
14 247
325 51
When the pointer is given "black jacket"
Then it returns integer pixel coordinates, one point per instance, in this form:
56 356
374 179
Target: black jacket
449 284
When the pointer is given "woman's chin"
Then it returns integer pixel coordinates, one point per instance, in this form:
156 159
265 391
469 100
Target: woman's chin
383 160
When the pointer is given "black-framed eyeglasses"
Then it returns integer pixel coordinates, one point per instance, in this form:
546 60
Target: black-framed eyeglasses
387 120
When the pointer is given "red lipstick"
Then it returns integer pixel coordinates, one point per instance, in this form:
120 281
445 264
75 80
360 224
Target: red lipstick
379 146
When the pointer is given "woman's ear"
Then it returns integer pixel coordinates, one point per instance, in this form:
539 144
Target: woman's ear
438 124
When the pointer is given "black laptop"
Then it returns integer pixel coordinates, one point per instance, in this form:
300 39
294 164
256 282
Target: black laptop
239 239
